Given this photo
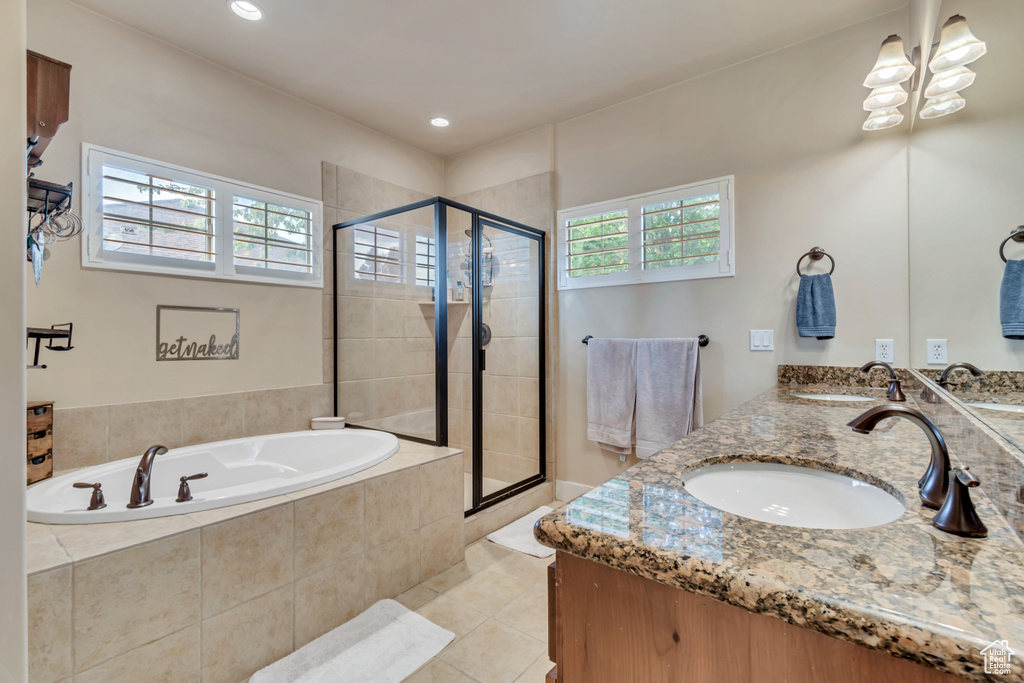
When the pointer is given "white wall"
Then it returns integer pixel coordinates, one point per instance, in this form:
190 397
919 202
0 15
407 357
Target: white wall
521 156
132 93
788 126
12 343
966 180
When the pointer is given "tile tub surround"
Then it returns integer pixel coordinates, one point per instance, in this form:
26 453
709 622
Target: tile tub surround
905 588
218 594
93 435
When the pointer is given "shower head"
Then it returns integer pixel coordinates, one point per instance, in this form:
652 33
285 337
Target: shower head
469 234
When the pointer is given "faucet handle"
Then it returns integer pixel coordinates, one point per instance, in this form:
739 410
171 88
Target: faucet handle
96 502
895 391
184 492
957 514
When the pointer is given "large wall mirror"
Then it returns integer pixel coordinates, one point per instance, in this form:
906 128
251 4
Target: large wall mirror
966 185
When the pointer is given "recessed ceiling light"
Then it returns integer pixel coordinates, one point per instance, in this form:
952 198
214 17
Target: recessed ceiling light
440 122
246 10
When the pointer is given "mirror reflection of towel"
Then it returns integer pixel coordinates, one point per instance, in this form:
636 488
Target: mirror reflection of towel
1011 300
816 307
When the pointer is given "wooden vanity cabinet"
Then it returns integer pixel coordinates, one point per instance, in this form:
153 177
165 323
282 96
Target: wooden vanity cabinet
609 626
49 97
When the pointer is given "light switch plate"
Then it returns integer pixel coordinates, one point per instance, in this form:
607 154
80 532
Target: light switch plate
883 350
762 340
937 354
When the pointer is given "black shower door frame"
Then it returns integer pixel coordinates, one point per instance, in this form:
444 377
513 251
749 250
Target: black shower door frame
480 220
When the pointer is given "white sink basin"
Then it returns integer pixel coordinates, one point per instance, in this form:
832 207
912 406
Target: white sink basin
833 397
1005 407
790 495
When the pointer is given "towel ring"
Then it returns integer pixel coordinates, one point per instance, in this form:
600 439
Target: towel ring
817 254
1017 235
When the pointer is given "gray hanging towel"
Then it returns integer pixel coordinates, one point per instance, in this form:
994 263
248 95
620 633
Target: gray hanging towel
816 307
1011 300
611 393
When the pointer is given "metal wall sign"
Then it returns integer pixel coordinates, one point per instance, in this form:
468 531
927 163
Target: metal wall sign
196 333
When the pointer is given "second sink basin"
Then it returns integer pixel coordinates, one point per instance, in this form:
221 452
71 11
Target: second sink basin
1005 407
832 397
791 495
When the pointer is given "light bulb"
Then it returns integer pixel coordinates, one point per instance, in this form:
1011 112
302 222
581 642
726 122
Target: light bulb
440 122
882 119
957 46
942 105
246 10
886 97
953 80
892 66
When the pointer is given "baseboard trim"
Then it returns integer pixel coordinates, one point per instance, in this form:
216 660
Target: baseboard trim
568 490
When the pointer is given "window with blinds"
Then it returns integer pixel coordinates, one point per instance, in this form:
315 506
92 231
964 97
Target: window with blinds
146 216
378 254
272 236
426 257
682 233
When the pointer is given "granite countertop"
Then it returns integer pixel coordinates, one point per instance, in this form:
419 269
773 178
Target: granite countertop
905 588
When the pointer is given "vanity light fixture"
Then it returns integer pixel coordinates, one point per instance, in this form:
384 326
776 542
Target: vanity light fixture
886 97
883 118
957 46
951 80
245 9
440 122
942 105
892 66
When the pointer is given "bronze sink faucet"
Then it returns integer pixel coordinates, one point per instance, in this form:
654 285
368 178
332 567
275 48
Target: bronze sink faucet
895 391
944 379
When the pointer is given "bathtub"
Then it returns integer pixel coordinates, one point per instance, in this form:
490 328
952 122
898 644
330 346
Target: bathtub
240 470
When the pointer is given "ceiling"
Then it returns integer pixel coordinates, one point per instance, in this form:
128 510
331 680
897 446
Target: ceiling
495 68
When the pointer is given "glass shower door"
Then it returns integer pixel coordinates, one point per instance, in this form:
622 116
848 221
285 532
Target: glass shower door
508 335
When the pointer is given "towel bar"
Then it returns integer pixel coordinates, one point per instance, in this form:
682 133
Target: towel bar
816 254
1017 235
702 340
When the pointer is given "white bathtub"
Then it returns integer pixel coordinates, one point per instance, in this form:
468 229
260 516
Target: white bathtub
241 470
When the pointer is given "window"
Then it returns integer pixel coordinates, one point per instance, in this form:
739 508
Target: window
378 254
426 255
683 233
149 217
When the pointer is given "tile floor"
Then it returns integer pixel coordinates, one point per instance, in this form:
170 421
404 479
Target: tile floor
496 605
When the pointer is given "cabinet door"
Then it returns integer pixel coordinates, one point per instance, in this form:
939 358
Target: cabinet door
49 88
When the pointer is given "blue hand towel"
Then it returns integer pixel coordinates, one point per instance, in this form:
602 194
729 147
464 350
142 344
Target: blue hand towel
816 307
1011 300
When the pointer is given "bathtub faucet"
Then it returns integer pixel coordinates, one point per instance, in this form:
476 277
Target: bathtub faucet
140 487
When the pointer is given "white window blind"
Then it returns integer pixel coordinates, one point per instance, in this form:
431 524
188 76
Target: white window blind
426 257
682 233
147 216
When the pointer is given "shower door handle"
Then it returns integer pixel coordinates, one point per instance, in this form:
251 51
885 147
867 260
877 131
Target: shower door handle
483 360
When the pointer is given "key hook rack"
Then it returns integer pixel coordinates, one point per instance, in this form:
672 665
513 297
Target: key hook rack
816 254
1017 235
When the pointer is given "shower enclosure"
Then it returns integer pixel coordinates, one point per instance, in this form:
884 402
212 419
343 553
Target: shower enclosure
439 337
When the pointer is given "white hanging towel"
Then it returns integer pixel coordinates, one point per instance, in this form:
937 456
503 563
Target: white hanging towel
668 394
611 393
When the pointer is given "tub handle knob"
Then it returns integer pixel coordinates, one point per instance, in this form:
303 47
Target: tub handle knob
96 502
184 493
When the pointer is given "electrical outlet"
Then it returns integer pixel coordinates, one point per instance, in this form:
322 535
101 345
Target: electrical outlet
937 352
762 340
883 350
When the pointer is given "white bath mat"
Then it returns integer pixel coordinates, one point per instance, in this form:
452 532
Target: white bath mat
385 644
519 535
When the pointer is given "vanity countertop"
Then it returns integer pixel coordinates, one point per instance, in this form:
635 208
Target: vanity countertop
905 588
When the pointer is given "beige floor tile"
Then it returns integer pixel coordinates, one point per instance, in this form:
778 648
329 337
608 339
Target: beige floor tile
437 671
329 598
133 597
174 658
488 591
414 598
246 557
328 528
449 578
523 567
452 615
494 653
482 554
537 671
243 640
49 625
528 613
